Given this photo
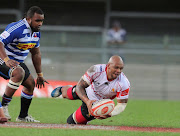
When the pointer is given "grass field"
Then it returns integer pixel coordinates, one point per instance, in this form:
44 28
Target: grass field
142 113
72 132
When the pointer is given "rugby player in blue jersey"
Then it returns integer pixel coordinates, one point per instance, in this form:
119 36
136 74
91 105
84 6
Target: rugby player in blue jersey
16 41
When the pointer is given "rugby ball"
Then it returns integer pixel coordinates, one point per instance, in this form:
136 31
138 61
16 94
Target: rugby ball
102 107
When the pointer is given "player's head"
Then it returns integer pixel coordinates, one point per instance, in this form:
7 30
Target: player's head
114 67
35 17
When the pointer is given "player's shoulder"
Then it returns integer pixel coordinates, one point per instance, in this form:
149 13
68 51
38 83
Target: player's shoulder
15 26
100 67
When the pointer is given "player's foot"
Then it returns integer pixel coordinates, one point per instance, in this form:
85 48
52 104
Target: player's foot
3 120
26 119
56 92
6 112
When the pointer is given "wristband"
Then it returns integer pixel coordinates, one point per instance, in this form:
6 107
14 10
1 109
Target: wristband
40 74
6 59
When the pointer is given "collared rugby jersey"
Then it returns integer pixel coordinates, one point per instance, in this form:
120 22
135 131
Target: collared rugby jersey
101 88
18 40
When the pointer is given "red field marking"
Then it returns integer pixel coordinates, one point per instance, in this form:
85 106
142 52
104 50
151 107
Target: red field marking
89 127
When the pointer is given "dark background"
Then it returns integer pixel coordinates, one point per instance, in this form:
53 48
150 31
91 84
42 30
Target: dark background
92 13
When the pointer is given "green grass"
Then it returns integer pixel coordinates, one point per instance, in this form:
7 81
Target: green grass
143 113
74 132
148 114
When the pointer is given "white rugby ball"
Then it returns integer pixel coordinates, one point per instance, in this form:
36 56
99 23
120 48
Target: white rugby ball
102 107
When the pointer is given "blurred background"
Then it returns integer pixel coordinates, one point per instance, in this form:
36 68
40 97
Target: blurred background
74 34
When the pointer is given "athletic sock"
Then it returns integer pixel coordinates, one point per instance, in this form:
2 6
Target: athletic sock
25 103
6 100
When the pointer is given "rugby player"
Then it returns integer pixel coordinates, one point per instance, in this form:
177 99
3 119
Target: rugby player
101 81
17 40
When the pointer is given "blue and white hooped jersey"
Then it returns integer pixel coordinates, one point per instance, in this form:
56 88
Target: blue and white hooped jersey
18 40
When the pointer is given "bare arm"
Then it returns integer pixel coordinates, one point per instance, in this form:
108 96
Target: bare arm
36 59
81 85
2 51
80 90
9 62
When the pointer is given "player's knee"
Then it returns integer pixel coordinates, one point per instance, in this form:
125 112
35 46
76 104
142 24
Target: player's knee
70 119
14 85
18 76
18 73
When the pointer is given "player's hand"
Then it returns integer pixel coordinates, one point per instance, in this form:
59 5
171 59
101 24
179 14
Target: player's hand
40 82
103 117
12 63
89 105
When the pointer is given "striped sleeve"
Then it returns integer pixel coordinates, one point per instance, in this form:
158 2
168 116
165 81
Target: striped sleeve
10 33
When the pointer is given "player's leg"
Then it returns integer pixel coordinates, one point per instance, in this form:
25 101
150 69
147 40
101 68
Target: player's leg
16 76
80 116
26 98
67 92
3 119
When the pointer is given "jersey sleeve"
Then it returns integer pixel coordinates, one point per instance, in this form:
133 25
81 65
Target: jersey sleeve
7 37
124 92
90 74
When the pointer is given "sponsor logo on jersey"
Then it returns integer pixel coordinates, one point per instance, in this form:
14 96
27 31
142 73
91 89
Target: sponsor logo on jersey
100 68
113 90
125 92
5 34
26 46
35 35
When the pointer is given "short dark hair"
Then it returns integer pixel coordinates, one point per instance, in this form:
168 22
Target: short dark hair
32 10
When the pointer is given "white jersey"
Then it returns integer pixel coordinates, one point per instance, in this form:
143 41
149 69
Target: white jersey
101 88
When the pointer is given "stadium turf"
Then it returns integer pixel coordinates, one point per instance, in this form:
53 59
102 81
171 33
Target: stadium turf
72 132
142 113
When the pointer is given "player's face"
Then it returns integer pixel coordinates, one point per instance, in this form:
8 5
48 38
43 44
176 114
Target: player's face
36 22
114 70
